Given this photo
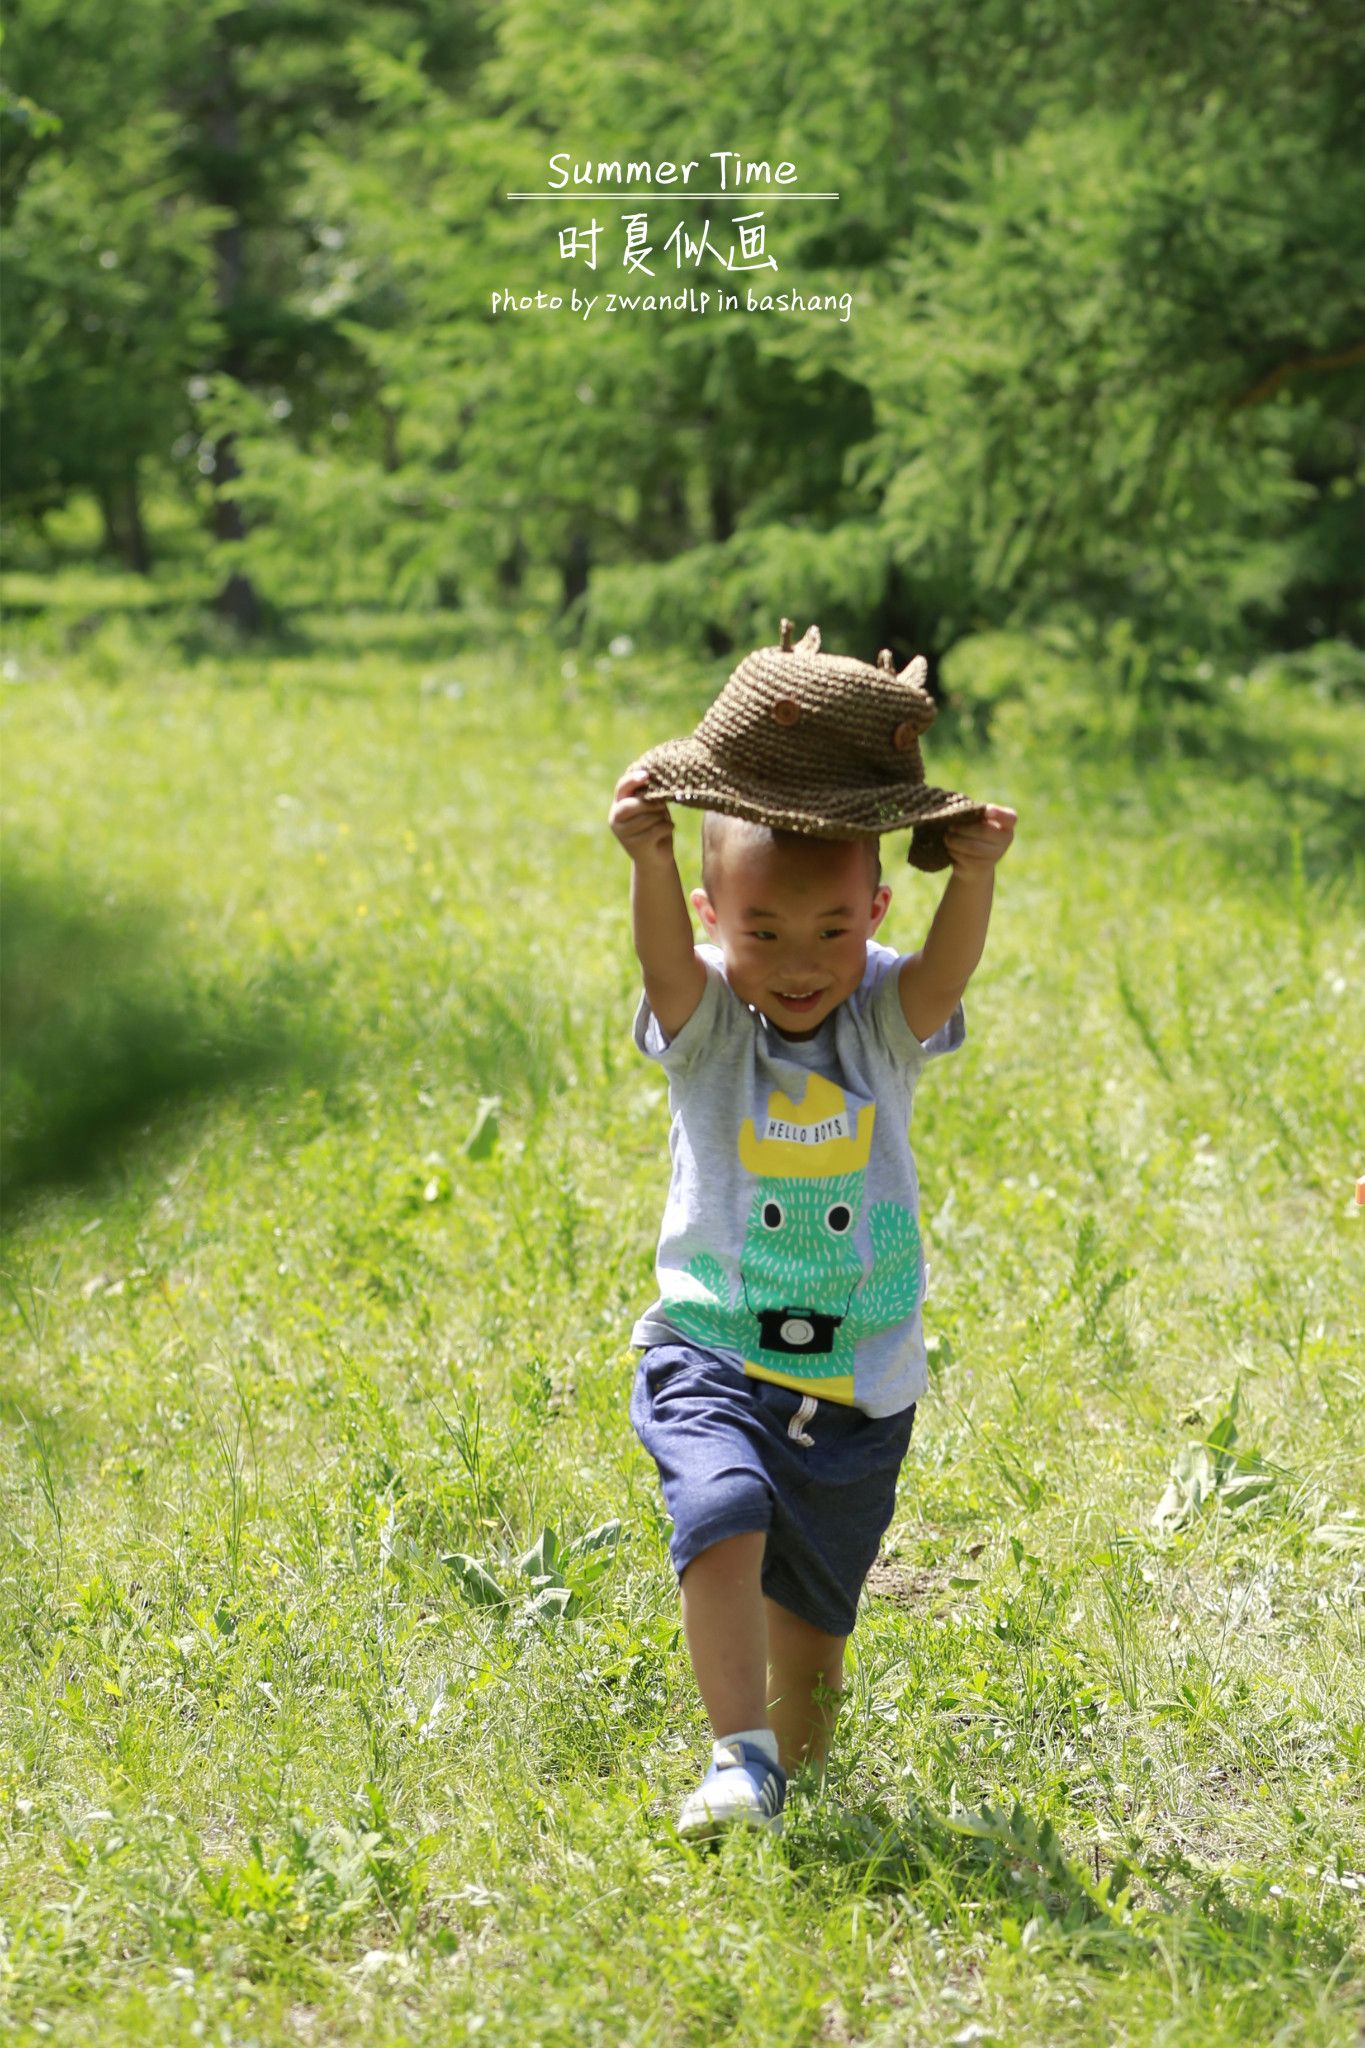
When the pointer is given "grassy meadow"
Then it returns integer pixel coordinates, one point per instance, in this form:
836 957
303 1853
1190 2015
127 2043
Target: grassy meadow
344 1696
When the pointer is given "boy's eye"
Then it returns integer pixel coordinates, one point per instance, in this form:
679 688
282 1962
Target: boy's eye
837 933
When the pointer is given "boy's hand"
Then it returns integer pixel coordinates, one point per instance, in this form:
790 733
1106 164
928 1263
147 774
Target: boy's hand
974 848
643 827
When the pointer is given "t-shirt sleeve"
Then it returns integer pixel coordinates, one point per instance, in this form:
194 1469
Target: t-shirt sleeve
887 1021
713 1019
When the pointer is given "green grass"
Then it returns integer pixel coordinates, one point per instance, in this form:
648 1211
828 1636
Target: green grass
272 1769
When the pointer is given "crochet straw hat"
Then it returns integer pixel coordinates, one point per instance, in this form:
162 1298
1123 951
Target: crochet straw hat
816 743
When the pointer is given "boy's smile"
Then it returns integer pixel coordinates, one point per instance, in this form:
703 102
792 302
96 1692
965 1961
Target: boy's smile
792 916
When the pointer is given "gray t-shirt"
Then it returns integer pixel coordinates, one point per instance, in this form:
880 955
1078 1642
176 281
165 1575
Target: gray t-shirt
790 1239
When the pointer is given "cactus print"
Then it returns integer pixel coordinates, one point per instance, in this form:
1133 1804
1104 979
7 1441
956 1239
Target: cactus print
806 1293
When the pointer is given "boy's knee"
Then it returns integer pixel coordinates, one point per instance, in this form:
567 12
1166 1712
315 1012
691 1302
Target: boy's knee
800 1644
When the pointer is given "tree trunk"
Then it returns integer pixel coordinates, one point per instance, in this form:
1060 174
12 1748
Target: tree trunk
124 533
137 552
511 568
574 568
237 600
111 544
722 506
673 534
392 457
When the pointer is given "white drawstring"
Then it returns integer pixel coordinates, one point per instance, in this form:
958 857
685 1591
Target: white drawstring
796 1427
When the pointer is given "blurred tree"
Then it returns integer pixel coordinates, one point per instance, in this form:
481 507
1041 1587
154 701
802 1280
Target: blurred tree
1106 358
1065 232
1098 321
154 241
270 79
108 302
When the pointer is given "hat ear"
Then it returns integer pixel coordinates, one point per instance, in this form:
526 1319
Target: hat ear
915 672
809 643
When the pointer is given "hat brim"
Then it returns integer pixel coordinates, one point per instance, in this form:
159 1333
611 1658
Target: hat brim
682 771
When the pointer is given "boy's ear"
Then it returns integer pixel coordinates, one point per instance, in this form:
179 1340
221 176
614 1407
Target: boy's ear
704 908
881 903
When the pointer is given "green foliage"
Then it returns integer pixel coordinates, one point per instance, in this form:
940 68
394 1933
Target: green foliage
109 310
841 573
1026 300
560 1576
320 1881
1103 365
1213 1471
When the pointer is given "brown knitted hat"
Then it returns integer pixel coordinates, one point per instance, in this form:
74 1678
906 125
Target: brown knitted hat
816 743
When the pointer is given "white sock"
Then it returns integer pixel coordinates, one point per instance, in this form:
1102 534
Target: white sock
762 1738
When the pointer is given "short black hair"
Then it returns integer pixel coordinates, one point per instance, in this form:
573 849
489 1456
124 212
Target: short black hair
717 826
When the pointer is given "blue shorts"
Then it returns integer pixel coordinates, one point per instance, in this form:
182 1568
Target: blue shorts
731 1457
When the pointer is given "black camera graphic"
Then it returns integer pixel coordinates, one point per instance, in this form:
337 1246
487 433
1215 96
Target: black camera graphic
803 1331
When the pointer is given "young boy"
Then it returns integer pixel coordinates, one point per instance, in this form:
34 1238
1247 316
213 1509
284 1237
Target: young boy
782 1362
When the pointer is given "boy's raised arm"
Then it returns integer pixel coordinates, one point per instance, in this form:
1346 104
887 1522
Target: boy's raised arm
932 980
674 976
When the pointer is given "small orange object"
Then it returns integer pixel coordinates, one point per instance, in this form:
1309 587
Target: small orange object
1360 1193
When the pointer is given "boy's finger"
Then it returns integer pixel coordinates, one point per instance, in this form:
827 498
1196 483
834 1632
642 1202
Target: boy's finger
640 823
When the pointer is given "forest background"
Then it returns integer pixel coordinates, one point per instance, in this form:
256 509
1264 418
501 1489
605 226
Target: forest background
1102 380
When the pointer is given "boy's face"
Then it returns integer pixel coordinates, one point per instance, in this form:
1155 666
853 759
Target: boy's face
793 921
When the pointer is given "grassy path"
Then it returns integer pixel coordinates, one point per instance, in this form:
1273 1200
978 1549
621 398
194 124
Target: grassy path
271 1770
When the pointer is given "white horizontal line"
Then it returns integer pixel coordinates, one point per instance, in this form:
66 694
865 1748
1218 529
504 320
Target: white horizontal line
662 192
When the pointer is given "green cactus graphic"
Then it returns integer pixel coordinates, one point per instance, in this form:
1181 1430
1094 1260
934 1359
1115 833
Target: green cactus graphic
805 1298
798 1254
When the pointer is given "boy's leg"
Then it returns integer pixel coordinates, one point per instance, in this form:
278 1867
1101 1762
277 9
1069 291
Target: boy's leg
726 1627
727 1634
806 1665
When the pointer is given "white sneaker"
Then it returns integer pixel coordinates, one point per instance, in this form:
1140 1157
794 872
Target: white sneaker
743 1786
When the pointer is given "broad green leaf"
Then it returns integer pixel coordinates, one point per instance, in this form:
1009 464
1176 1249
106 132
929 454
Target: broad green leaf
541 1561
476 1583
483 1132
604 1537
